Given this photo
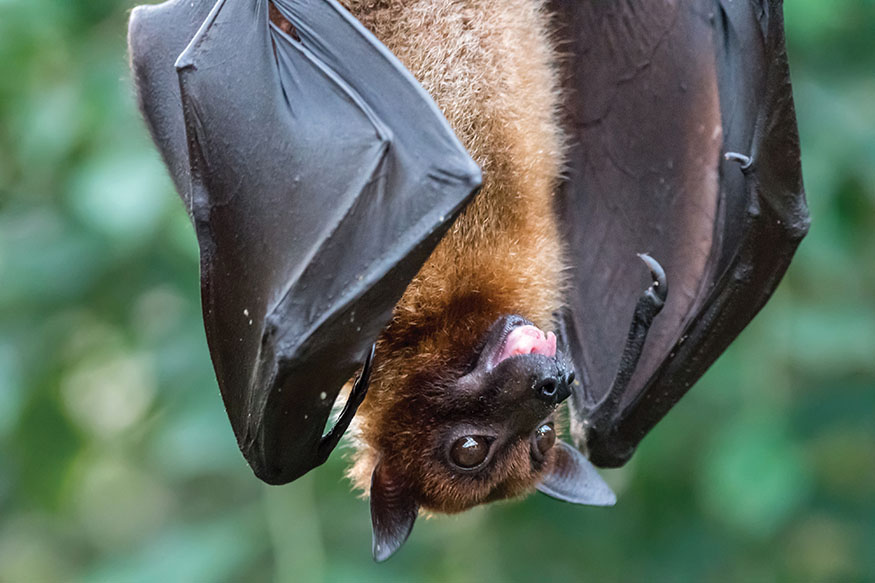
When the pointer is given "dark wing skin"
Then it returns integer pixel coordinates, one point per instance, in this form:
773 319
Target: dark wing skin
657 93
319 176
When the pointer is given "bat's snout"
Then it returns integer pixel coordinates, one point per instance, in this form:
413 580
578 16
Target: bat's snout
554 387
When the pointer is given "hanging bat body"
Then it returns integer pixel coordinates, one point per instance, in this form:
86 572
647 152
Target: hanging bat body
331 178
491 287
466 376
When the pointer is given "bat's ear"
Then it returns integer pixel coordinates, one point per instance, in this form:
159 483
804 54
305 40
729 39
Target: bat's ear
393 512
574 479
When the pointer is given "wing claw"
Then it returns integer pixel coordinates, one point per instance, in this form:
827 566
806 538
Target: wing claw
658 291
359 389
601 419
742 159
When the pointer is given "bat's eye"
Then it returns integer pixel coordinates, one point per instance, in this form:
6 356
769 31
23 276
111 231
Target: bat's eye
470 451
545 438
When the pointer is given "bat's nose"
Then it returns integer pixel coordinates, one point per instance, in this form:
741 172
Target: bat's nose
554 388
530 386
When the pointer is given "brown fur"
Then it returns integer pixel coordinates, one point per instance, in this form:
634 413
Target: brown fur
488 64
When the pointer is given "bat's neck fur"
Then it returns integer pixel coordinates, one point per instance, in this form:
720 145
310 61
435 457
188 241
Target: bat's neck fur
490 66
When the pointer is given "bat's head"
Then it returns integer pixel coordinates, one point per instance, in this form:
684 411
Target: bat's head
452 436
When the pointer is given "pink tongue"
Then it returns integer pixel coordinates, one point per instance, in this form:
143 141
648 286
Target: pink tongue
527 340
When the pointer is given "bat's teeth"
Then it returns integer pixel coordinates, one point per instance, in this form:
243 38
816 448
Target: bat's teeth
528 340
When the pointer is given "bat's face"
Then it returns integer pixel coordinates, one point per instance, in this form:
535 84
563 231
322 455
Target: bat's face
480 433
491 433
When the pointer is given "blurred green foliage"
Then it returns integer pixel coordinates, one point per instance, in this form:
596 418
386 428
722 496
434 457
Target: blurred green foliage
117 461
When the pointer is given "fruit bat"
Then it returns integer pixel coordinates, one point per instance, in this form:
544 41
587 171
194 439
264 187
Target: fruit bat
450 215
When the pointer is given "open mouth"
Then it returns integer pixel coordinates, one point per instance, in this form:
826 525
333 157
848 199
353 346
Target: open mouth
519 337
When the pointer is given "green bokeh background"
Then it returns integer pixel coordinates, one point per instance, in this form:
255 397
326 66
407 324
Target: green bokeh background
117 462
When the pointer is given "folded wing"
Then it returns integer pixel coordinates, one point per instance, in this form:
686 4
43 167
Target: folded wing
657 95
319 176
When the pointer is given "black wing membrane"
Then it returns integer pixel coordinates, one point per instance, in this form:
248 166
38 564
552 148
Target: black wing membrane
319 176
658 96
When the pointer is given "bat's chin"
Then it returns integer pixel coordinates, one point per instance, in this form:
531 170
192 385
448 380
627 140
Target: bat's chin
515 336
